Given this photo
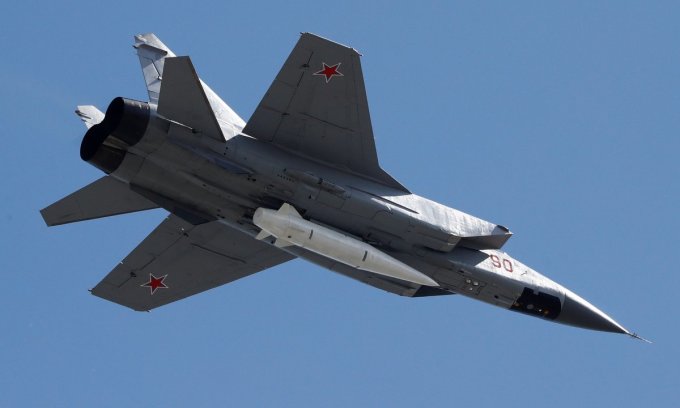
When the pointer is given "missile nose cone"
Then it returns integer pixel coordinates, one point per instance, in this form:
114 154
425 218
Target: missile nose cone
578 312
423 279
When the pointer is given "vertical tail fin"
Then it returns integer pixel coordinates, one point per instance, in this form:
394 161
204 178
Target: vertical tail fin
152 53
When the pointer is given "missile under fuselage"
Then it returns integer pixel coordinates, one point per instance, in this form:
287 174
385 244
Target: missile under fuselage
289 228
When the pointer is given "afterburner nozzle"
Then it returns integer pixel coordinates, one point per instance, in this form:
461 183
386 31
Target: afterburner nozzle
105 144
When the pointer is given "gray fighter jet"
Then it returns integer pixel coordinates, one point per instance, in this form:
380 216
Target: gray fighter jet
300 179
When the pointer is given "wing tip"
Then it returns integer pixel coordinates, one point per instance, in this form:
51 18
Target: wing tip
318 37
150 40
89 114
44 213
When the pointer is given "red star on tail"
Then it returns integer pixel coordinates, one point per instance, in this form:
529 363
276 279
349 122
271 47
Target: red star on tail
329 72
155 283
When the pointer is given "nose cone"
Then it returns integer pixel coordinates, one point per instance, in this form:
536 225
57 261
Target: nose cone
578 312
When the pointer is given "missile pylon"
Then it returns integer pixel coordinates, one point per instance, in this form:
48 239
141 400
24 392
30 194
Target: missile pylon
289 228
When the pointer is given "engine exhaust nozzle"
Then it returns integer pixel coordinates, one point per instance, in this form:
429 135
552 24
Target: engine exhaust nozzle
105 144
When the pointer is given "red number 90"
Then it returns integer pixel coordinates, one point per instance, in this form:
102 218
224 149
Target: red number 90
496 262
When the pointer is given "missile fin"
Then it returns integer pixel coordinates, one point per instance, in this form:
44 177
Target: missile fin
289 210
282 243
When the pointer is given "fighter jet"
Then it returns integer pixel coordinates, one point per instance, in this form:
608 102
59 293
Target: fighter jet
300 179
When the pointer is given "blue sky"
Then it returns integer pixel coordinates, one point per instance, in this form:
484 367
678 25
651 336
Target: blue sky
557 119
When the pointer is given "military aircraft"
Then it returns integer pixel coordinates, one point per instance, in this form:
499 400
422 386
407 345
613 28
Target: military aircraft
300 179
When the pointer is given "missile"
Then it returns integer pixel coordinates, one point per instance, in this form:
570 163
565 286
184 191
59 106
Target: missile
289 228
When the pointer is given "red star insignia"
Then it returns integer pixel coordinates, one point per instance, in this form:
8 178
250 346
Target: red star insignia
329 72
155 283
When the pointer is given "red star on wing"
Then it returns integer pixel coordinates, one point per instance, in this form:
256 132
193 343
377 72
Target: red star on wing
155 283
329 72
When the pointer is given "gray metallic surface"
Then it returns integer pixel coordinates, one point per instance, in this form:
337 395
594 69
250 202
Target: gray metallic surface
183 99
191 258
578 312
102 198
309 144
327 122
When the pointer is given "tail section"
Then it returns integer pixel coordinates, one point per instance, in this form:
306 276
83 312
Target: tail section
90 115
152 53
184 100
103 198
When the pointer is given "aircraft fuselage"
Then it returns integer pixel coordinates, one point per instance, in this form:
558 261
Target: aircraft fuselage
205 181
300 179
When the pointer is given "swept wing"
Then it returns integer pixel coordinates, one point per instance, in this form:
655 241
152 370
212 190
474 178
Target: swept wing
317 107
178 260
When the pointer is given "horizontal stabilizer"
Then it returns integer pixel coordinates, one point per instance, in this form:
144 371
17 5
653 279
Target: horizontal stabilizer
103 198
90 115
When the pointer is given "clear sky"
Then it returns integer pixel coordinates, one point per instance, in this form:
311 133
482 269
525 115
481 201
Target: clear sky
557 119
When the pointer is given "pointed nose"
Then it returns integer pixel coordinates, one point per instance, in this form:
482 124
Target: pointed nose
578 312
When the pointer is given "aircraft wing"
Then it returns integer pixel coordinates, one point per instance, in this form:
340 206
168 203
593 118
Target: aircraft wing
317 107
178 260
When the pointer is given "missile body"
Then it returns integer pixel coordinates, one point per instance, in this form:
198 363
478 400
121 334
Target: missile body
289 228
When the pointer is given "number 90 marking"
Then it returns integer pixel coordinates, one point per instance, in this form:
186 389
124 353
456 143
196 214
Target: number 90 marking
505 263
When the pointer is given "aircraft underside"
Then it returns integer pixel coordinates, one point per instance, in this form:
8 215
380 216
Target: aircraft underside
300 179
